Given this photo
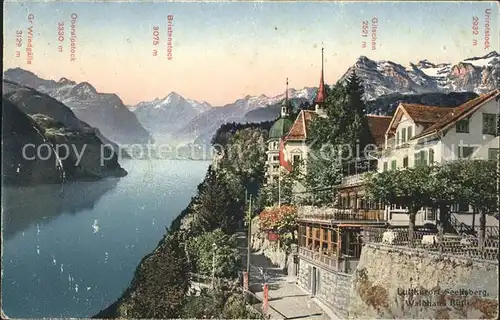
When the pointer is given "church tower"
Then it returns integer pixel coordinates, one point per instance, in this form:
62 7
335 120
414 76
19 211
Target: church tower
286 106
321 96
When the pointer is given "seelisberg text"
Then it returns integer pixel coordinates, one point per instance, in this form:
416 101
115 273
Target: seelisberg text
431 292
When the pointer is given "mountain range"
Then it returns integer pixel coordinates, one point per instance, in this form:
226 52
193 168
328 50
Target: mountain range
177 118
73 149
104 111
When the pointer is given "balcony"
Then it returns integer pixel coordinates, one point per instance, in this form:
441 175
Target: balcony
337 215
327 261
352 180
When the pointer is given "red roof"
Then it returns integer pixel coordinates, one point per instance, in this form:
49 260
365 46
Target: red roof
458 113
425 114
378 126
301 125
321 96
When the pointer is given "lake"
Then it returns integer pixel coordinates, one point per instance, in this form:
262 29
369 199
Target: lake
71 250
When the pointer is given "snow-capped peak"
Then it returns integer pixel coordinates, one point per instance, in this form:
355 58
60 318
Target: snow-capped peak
484 60
83 89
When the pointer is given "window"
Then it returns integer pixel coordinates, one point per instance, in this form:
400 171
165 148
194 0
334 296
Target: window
405 162
409 132
296 159
276 158
493 154
385 165
393 165
460 207
463 126
403 135
489 123
421 158
431 156
465 152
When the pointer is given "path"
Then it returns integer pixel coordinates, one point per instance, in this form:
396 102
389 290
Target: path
288 300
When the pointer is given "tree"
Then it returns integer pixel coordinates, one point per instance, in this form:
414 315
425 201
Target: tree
161 282
221 303
202 252
215 206
340 137
282 188
479 189
408 187
445 189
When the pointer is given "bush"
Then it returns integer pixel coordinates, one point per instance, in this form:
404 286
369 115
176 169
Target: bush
227 258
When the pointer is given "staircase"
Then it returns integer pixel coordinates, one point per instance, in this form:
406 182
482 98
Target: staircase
460 227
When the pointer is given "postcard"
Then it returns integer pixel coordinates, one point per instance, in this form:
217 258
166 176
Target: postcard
248 159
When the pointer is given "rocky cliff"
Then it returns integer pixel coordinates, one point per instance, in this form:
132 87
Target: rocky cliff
57 146
104 111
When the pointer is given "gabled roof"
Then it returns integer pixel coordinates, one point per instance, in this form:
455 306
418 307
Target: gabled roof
378 126
419 113
424 114
301 125
458 113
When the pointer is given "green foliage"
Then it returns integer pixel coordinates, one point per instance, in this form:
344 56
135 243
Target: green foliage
215 206
467 181
222 303
227 130
338 136
408 187
244 158
270 193
161 282
202 251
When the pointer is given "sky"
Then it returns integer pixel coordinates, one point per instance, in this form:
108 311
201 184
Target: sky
222 51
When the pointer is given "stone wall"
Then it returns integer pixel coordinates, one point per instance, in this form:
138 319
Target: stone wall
392 282
332 287
270 249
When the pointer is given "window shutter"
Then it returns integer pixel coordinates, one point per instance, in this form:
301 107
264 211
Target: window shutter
431 156
409 132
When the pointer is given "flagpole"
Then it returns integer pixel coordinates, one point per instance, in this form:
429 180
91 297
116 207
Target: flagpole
279 185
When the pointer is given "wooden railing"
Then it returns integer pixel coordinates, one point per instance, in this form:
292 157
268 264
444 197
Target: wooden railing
345 214
369 215
328 261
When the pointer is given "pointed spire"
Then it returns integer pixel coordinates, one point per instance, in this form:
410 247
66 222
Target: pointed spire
285 109
320 97
286 91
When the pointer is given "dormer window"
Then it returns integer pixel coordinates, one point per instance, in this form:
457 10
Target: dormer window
463 126
410 134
